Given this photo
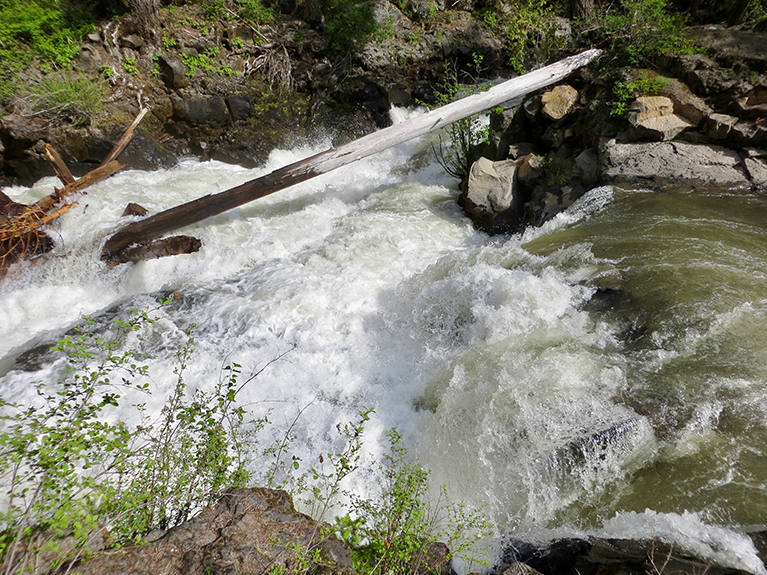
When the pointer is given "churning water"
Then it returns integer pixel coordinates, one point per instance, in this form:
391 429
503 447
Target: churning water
605 373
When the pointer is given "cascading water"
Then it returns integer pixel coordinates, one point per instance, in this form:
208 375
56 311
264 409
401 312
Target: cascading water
641 417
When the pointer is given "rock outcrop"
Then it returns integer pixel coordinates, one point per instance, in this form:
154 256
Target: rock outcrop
250 531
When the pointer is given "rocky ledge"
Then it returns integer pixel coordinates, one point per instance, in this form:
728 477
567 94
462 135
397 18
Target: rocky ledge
703 128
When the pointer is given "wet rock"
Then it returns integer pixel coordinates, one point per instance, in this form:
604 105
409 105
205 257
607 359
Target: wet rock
558 102
653 117
718 126
201 110
587 167
173 72
366 94
248 531
598 555
671 163
557 558
489 197
239 107
134 210
22 131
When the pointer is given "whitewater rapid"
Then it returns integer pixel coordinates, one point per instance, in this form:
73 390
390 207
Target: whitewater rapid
481 351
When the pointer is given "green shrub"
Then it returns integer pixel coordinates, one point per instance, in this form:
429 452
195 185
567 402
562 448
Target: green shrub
130 65
644 84
348 23
71 466
641 29
67 96
394 533
255 12
464 135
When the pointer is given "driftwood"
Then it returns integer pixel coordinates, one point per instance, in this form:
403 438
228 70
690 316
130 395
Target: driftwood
197 210
171 246
22 227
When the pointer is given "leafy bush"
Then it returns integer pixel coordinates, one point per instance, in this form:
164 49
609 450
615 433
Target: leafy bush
67 96
396 532
463 135
348 23
644 84
70 466
46 30
640 29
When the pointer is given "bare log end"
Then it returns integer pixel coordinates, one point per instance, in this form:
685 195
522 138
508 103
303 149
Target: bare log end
151 250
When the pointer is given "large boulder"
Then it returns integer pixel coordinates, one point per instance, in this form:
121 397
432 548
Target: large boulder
686 104
559 101
676 163
653 117
201 110
250 531
489 197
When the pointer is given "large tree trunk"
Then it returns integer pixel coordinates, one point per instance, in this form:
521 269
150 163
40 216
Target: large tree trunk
174 218
146 14
738 12
581 9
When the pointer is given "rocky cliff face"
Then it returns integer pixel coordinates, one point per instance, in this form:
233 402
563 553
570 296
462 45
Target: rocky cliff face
225 90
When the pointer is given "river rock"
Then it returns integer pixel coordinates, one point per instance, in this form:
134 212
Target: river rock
558 102
746 133
598 555
757 171
653 117
686 104
718 126
754 103
675 163
248 531
173 72
132 41
490 192
530 169
201 110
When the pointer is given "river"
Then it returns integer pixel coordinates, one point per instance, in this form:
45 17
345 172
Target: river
637 412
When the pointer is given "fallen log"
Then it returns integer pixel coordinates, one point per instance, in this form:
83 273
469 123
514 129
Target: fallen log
197 210
62 171
22 233
172 246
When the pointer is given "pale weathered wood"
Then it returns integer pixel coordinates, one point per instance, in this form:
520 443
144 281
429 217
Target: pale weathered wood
62 171
324 162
